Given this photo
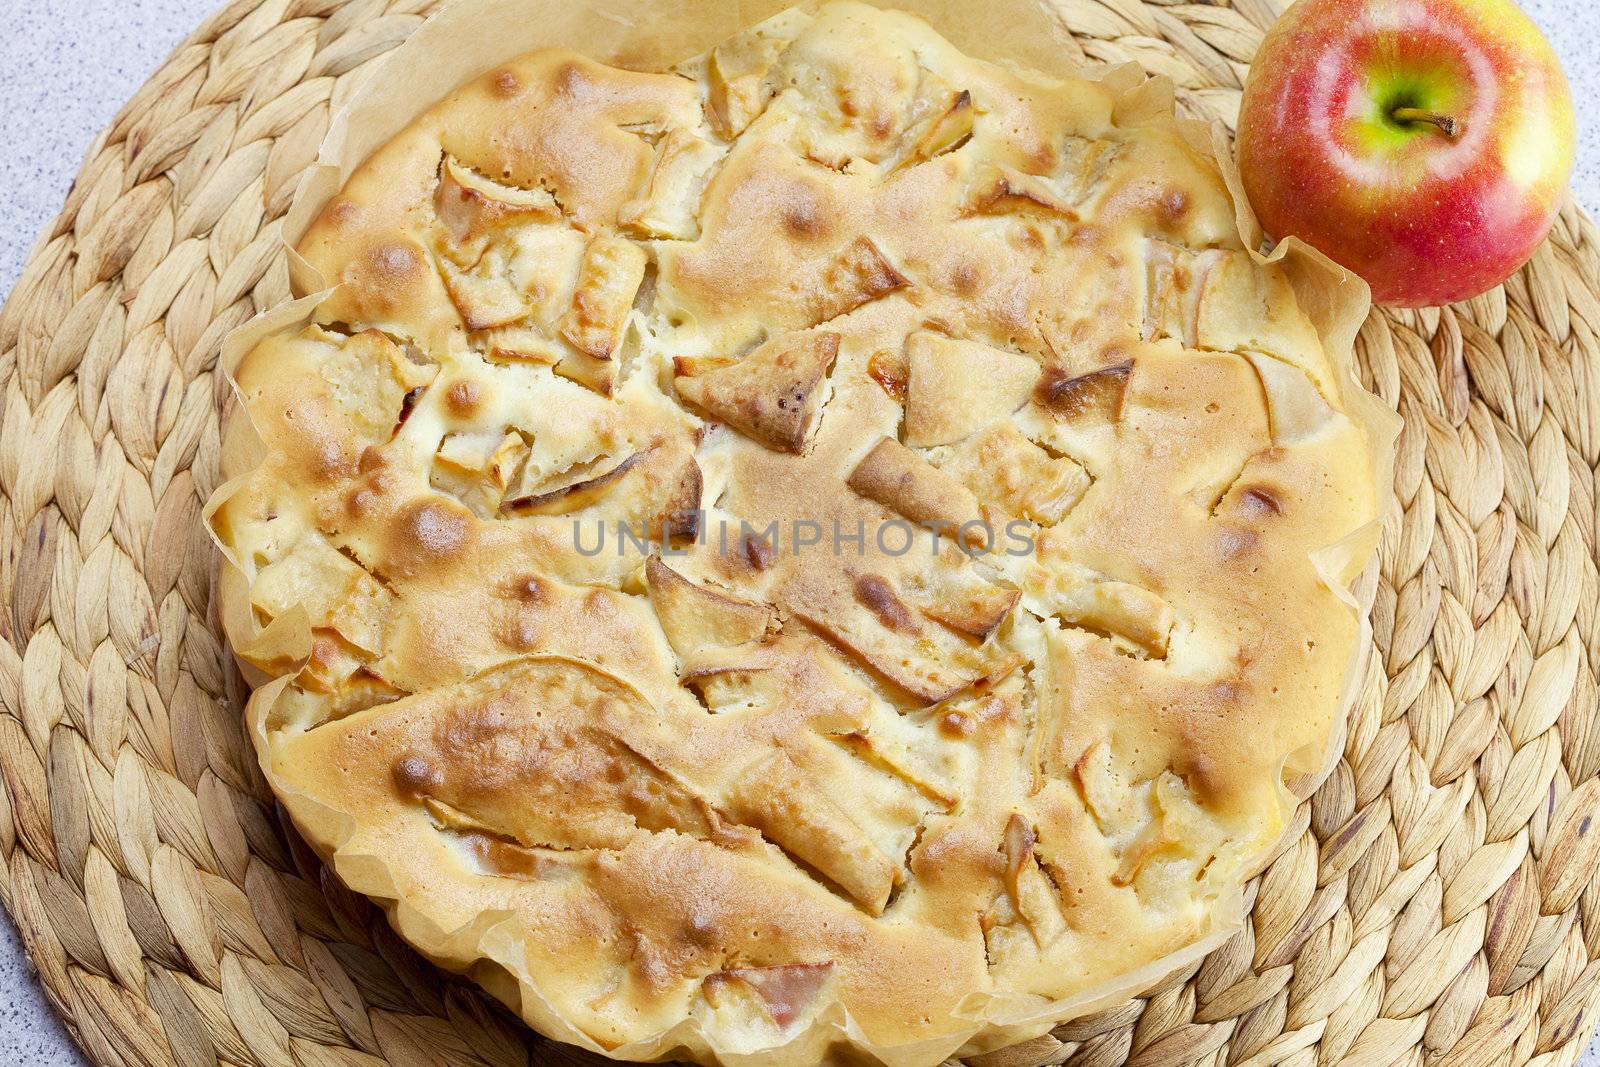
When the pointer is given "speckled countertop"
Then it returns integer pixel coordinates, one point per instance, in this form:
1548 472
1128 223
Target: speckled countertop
68 67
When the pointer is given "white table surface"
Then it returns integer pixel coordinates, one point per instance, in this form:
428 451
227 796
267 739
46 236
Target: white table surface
68 65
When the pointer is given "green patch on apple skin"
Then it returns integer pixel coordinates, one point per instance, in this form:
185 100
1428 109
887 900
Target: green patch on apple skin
1376 128
1412 95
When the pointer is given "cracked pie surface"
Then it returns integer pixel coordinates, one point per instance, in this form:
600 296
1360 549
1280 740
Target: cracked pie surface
557 672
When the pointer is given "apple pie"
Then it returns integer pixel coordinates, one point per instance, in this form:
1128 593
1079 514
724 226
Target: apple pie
834 544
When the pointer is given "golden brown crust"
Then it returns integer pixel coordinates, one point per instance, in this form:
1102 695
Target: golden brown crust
577 542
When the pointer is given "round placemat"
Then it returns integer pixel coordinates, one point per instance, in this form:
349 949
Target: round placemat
1434 903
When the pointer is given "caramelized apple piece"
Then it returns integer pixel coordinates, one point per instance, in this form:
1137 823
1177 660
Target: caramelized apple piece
478 468
668 206
583 779
565 499
775 797
678 515
335 591
857 275
519 344
959 598
371 378
792 670
1129 614
1032 894
486 300
518 277
333 661
1095 395
736 72
908 485
863 747
500 857
942 133
1296 410
1083 167
613 268
771 395
1004 190
473 208
1175 280
696 618
866 616
954 388
1009 471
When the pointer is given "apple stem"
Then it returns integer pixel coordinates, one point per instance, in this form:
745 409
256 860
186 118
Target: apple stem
1449 125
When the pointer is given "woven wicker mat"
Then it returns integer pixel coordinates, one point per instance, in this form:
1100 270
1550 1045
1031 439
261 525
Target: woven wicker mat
1435 905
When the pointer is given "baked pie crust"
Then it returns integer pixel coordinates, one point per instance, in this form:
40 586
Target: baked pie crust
713 790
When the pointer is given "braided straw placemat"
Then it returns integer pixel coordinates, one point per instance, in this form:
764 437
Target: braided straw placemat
1435 902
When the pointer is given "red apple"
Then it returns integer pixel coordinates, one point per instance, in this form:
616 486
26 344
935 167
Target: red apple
1423 144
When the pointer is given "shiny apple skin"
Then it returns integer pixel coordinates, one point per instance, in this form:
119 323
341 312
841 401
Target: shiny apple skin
1425 219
